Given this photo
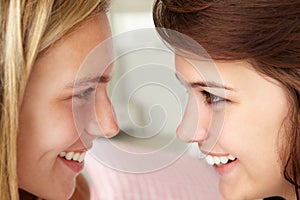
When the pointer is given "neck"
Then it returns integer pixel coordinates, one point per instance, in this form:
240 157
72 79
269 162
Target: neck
290 196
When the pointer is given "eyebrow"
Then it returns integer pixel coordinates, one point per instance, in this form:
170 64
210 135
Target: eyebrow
209 84
87 80
206 84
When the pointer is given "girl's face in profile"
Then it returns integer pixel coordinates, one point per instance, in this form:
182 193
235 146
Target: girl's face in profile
50 151
248 111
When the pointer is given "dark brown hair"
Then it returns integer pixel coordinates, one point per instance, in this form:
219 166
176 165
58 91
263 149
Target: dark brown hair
265 33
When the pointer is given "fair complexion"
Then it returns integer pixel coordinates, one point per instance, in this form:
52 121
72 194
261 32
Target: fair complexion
48 132
250 109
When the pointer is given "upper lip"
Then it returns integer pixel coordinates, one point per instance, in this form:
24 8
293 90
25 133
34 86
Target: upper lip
81 150
213 154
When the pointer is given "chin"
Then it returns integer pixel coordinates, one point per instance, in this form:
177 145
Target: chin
237 196
58 195
61 193
234 194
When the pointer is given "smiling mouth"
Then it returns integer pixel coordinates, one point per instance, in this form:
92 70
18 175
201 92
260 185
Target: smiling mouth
219 160
74 156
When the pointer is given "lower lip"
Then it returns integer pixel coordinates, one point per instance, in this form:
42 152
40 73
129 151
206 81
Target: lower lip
225 169
73 165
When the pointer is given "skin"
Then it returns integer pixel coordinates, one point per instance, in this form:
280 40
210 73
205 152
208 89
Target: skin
47 124
250 111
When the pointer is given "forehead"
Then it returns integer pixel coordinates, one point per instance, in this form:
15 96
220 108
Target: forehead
239 75
234 74
204 65
205 70
79 42
63 60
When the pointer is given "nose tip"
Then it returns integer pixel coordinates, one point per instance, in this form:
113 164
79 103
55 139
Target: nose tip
111 132
105 129
180 135
199 135
105 116
109 124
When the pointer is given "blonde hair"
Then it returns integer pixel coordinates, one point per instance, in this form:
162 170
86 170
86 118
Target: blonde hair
26 29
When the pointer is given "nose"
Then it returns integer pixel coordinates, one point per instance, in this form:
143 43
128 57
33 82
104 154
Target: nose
193 127
104 124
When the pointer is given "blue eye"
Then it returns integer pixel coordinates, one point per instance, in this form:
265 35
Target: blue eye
211 98
84 94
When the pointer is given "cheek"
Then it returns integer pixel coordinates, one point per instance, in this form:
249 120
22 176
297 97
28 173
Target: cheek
256 149
83 114
251 134
43 134
62 128
49 128
254 125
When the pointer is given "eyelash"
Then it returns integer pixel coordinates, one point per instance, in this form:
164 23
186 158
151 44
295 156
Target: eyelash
211 98
84 94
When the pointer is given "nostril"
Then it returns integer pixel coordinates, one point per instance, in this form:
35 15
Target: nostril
200 136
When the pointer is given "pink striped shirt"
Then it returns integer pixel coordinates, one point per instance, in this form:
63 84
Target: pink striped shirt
186 179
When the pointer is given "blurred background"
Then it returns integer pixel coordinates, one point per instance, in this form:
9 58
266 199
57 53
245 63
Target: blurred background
146 160
127 15
148 100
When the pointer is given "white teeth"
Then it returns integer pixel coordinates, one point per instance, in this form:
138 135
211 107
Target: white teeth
218 160
69 155
78 157
81 157
231 157
224 159
62 154
210 160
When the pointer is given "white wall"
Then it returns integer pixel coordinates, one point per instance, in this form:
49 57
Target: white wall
154 110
